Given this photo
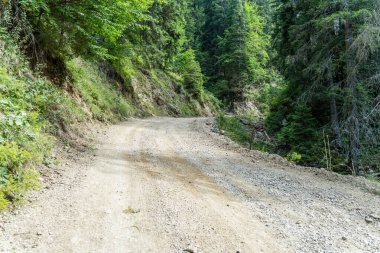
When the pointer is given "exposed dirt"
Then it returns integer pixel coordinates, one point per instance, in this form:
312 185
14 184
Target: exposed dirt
171 185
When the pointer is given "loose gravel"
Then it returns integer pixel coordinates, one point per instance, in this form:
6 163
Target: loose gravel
176 185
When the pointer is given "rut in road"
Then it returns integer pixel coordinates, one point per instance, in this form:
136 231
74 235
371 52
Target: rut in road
170 185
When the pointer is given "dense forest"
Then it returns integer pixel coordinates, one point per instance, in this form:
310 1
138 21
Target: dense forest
305 73
311 68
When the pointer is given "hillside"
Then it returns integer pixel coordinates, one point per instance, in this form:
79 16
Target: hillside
38 109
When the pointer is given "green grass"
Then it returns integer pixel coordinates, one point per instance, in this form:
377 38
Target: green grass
104 100
168 87
234 129
239 133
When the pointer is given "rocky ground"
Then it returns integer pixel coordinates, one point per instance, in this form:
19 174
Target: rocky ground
174 185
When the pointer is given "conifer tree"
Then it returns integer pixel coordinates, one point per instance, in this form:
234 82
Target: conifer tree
319 54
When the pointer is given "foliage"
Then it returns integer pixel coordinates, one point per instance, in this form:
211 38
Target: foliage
163 33
328 52
233 48
27 104
238 132
70 27
15 176
103 98
300 125
294 157
193 78
234 129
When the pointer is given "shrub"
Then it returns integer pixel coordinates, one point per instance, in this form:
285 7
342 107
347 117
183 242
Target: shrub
16 176
30 107
294 157
234 129
193 79
299 134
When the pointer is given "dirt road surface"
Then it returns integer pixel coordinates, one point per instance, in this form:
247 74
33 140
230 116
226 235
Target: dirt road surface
171 185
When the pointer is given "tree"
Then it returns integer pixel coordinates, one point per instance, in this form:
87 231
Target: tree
234 48
69 27
318 54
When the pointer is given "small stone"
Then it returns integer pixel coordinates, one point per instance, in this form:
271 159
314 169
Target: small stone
344 238
368 220
375 216
39 233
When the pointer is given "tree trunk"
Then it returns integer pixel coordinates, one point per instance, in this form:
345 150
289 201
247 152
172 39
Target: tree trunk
334 117
338 143
353 116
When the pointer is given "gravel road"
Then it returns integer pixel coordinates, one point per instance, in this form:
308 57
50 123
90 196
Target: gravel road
173 185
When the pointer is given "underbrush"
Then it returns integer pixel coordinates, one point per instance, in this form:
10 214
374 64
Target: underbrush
242 130
103 98
243 134
34 112
31 111
157 92
16 173
234 129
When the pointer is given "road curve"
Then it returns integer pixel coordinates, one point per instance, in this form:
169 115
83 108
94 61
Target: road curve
170 185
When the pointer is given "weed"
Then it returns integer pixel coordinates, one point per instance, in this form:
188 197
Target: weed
131 210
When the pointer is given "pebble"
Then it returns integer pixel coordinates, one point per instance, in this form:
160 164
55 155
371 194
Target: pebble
368 220
375 216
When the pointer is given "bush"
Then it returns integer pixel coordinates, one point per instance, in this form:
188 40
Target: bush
234 129
15 174
193 79
299 135
30 108
294 157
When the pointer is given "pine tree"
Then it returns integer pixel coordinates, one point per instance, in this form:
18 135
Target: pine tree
214 27
319 54
234 48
